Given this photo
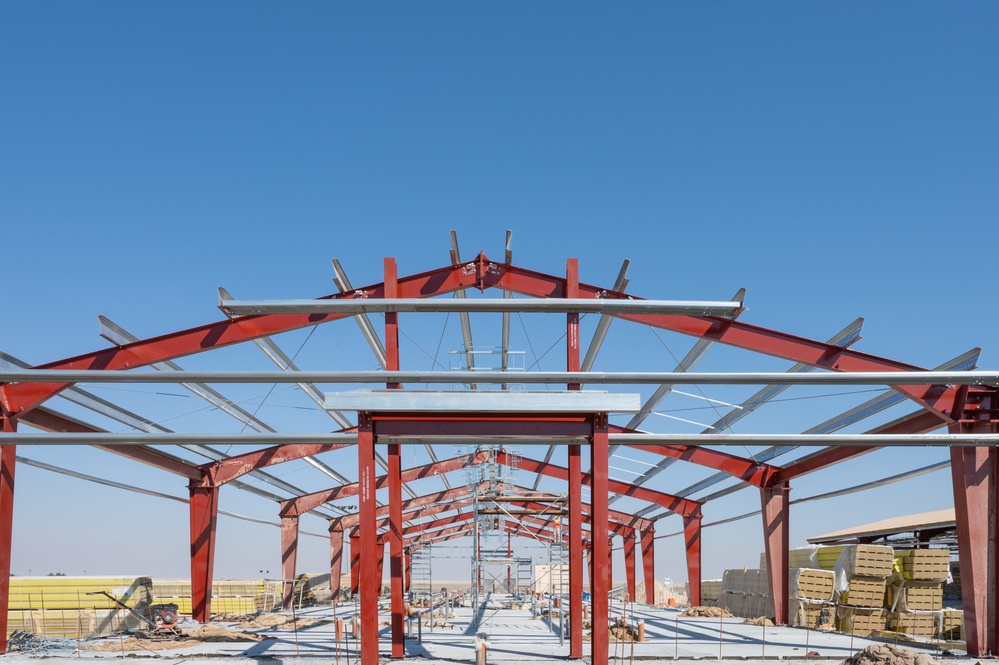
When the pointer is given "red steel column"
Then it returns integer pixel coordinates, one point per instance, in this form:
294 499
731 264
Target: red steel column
336 563
370 555
575 553
204 510
289 557
395 550
572 364
599 490
629 563
648 565
394 473
355 562
692 542
975 477
776 514
8 460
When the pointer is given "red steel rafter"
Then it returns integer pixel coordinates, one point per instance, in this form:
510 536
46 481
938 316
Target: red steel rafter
677 504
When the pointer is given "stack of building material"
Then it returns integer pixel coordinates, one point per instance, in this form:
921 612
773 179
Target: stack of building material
711 591
228 596
799 557
915 595
811 592
62 606
953 624
745 593
861 579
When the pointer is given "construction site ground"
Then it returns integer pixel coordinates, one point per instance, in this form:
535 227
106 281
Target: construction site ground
512 636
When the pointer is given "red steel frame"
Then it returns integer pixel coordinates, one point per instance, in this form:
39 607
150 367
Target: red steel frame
943 404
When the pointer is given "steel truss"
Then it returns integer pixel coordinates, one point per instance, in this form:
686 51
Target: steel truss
964 402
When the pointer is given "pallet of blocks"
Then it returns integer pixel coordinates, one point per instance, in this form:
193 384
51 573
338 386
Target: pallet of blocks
710 592
76 607
744 593
861 580
810 594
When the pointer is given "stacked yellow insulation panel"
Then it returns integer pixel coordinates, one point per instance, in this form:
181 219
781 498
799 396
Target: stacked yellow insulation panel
73 607
862 572
228 596
915 595
811 595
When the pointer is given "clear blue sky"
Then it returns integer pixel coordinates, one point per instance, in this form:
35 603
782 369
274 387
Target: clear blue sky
837 160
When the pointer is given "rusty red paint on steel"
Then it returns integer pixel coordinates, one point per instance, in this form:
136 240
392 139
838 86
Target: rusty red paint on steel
395 549
8 463
21 397
677 504
455 494
48 421
648 544
692 550
289 557
307 502
204 507
231 468
616 517
775 502
600 490
24 396
734 333
917 423
575 550
629 564
474 425
370 554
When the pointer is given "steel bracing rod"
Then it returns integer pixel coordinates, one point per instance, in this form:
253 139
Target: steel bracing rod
369 334
844 338
596 342
363 322
281 359
466 324
306 502
717 308
118 335
49 420
141 490
696 353
965 361
901 378
644 439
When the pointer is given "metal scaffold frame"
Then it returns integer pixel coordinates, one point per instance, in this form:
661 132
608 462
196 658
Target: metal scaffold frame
952 397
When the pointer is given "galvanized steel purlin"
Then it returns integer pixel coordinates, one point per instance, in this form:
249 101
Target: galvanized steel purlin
18 378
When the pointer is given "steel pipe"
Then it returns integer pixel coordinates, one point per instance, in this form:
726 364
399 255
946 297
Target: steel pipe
721 308
253 438
920 378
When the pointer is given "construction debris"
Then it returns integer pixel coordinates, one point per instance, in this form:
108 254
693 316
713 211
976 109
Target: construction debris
759 621
887 654
281 621
661 595
701 612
